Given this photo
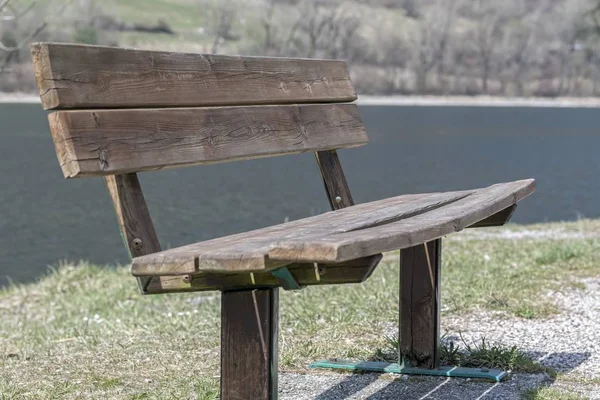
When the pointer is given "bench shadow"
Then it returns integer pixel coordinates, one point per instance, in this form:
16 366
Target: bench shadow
420 386
352 384
560 361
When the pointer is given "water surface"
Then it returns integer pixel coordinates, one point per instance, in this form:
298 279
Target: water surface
45 218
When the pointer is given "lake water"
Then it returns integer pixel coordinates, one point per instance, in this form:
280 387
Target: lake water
45 218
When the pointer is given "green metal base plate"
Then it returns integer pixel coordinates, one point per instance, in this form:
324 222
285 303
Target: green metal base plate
372 366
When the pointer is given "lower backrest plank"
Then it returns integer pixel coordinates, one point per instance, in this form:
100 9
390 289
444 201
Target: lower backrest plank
108 142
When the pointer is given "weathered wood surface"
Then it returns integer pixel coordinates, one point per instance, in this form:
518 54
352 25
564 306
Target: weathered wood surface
338 193
76 76
248 251
350 233
107 142
133 217
406 232
354 271
420 298
334 179
249 321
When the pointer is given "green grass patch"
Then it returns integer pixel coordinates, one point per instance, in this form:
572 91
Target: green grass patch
84 332
546 393
477 354
513 275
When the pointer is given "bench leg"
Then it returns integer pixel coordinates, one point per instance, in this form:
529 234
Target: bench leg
419 323
249 328
420 305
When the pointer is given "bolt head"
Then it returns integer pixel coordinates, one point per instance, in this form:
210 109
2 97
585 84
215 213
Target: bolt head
338 199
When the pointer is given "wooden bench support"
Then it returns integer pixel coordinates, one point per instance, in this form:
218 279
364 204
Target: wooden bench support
419 323
420 305
498 219
249 328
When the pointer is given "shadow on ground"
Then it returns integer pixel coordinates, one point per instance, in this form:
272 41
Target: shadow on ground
377 386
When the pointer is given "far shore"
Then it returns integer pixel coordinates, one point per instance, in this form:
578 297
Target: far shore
459 101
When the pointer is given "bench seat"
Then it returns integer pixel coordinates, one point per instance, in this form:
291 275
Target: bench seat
343 238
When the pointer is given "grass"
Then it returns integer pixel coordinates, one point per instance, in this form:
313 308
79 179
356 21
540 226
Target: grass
84 332
479 354
546 393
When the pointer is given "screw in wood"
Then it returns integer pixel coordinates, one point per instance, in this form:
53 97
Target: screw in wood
187 278
137 243
338 199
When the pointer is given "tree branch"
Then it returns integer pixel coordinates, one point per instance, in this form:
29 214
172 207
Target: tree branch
3 4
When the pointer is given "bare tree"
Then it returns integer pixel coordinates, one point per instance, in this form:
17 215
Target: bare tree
222 16
268 24
430 40
343 31
18 36
316 20
486 36
514 55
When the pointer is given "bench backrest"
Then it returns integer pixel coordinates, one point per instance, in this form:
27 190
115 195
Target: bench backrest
145 110
122 111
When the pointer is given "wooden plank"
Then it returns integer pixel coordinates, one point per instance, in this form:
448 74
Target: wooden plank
133 217
354 271
76 76
249 321
337 189
334 179
498 219
420 297
107 142
248 251
405 232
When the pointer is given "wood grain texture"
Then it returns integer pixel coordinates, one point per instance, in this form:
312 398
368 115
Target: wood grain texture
249 251
355 271
337 189
77 76
107 142
420 305
249 321
334 179
346 234
133 217
405 232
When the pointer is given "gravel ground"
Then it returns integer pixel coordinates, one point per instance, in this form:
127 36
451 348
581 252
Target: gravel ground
568 342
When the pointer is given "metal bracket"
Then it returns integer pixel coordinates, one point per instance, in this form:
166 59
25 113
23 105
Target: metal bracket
285 277
372 366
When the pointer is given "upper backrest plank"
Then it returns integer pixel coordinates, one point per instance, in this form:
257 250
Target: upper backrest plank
77 76
106 142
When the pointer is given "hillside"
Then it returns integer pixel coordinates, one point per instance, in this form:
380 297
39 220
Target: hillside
461 47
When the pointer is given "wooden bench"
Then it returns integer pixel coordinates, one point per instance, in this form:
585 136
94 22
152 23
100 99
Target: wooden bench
125 111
